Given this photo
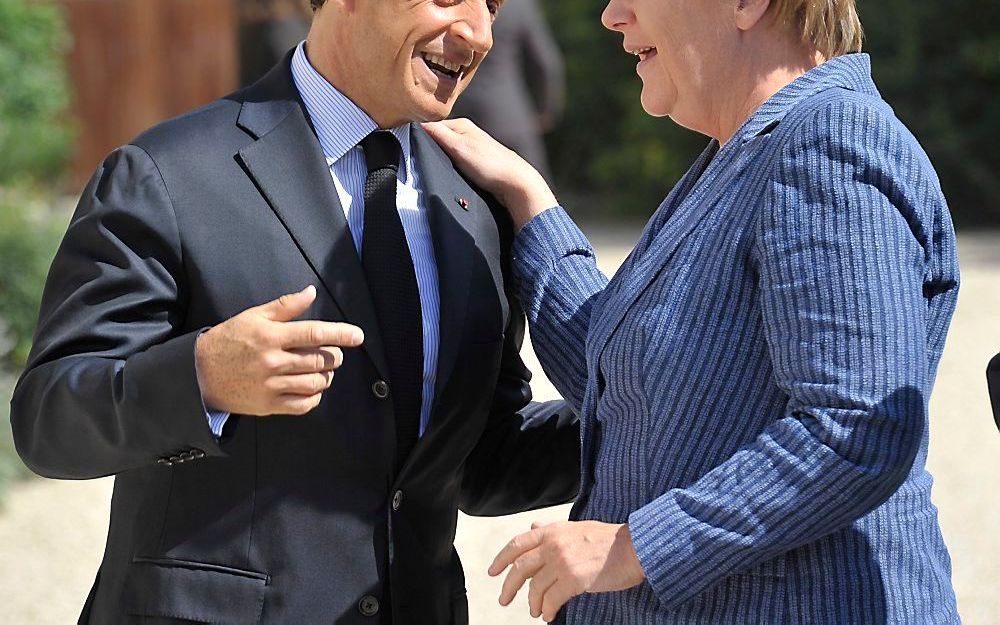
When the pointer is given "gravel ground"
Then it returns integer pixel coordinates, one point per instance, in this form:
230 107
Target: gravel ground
52 533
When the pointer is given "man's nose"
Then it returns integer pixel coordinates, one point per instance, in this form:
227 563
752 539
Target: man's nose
475 26
616 15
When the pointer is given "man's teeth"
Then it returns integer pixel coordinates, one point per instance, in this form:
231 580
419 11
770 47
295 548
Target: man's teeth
642 51
443 62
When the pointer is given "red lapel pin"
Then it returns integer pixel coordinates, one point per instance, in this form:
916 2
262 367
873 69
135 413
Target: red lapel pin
464 203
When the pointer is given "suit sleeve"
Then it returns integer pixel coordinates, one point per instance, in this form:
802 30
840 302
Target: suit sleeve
110 383
529 454
841 297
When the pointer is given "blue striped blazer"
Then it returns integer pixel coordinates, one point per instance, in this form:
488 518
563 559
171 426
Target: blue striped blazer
753 382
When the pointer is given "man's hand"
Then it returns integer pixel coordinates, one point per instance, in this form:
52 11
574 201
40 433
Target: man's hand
261 362
567 559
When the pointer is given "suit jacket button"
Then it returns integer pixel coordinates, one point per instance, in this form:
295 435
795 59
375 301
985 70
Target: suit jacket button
164 462
397 500
187 456
368 606
380 389
197 453
176 460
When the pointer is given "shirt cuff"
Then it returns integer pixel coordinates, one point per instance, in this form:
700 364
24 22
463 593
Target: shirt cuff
216 418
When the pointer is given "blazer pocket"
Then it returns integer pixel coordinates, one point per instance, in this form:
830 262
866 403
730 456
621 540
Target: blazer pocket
193 591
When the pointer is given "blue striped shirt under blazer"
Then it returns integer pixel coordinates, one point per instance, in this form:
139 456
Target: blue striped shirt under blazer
753 382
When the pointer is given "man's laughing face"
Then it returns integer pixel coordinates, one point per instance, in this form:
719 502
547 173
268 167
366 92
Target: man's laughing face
402 60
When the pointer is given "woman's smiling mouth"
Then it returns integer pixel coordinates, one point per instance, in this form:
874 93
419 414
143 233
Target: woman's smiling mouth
644 53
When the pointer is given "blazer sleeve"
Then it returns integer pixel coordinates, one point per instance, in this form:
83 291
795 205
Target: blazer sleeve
529 453
110 383
841 266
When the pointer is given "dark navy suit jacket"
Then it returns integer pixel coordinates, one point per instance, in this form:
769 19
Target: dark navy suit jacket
283 520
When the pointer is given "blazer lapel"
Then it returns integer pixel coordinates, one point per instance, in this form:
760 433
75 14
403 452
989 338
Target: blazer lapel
453 228
289 169
657 246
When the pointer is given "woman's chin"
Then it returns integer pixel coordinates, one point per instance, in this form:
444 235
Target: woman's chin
654 104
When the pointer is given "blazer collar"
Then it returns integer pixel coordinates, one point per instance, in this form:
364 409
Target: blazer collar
287 164
289 167
697 194
340 123
850 71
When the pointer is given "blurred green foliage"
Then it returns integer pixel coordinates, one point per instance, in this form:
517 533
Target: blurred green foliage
937 63
35 144
34 147
29 236
34 133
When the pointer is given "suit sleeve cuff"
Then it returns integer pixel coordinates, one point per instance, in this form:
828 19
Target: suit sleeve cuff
661 536
549 237
166 386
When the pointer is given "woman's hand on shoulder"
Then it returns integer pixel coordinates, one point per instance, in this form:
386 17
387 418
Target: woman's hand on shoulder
495 168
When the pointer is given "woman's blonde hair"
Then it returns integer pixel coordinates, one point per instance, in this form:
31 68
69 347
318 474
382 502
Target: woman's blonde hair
831 26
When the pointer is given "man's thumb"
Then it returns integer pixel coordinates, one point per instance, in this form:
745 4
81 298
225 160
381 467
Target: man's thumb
290 306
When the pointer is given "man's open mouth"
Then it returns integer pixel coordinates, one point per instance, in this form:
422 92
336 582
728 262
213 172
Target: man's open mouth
443 67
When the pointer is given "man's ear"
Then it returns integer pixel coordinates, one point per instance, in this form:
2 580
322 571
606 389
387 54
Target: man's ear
749 13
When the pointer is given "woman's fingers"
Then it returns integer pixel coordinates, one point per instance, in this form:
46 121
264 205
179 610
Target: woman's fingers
522 543
524 568
537 588
555 598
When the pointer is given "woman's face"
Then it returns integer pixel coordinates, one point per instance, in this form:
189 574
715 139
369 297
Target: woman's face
679 45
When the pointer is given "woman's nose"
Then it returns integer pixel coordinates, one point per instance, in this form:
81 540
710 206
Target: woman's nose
616 15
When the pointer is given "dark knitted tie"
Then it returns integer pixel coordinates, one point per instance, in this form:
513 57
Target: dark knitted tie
392 281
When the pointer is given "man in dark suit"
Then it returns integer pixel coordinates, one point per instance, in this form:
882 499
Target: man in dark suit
520 89
155 359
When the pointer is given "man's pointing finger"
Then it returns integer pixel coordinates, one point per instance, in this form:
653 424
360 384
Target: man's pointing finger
306 334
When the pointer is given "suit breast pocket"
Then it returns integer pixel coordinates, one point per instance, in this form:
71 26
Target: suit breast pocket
177 591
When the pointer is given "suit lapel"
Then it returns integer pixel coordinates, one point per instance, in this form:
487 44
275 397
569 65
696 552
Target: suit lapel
453 228
287 165
659 245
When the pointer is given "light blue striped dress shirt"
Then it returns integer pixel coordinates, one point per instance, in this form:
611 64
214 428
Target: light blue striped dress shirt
340 126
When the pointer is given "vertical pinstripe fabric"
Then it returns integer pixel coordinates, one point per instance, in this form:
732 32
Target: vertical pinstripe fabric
753 382
340 125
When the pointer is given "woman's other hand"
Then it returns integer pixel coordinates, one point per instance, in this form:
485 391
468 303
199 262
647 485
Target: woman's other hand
494 168
567 559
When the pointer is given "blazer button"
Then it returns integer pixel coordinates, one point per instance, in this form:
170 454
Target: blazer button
197 453
368 606
380 389
187 456
176 460
397 500
164 462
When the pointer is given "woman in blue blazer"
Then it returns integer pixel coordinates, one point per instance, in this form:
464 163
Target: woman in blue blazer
753 382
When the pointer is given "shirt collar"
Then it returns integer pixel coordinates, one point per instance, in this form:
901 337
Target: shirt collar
340 124
850 71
